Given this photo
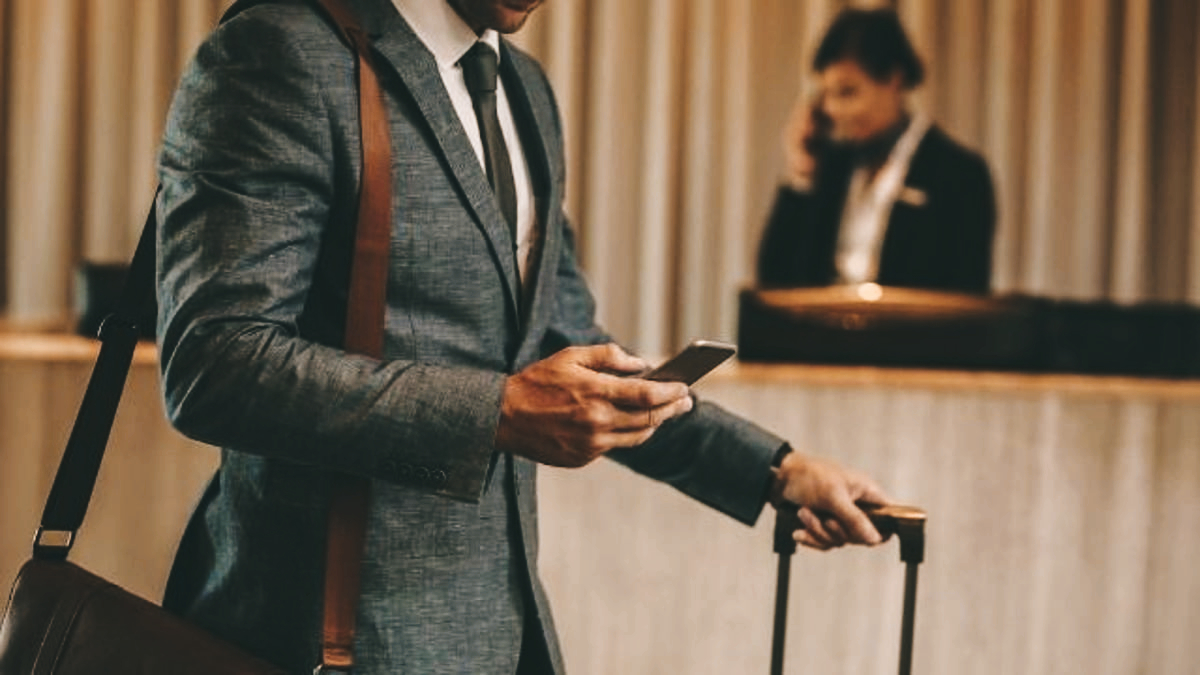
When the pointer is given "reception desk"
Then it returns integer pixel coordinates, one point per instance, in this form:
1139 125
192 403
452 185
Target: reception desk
1063 535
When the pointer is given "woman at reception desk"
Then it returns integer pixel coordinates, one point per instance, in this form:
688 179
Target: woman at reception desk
874 193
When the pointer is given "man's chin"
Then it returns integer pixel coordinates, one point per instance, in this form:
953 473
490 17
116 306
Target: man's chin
511 15
502 16
521 6
508 21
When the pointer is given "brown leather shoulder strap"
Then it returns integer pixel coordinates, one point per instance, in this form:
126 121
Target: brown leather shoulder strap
364 335
368 281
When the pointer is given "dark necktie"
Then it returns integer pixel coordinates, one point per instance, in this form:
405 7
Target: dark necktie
479 70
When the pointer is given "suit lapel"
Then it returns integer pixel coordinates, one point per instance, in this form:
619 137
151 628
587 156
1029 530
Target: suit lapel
532 114
532 120
836 174
908 237
418 71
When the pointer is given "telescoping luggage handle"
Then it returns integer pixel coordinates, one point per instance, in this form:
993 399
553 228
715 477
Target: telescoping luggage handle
906 522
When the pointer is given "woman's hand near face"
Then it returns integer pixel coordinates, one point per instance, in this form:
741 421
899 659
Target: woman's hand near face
801 165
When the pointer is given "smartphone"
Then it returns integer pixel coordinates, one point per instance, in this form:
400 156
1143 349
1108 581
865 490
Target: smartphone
693 363
822 124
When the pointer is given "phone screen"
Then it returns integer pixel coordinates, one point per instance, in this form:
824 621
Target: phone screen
693 363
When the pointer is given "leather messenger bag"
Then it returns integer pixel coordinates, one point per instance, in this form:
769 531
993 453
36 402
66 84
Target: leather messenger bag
62 619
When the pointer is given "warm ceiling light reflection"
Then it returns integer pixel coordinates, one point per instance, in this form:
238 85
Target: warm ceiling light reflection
870 292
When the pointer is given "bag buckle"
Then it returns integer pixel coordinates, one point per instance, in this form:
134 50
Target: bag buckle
52 544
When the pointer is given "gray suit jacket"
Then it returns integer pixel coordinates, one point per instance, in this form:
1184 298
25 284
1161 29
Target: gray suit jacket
260 167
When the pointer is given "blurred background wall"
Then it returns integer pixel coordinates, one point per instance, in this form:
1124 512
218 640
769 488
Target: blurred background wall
1086 110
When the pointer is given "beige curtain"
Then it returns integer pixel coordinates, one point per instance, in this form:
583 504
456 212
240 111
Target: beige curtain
85 88
5 21
1086 110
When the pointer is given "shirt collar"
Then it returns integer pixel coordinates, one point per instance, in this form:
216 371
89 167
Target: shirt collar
442 30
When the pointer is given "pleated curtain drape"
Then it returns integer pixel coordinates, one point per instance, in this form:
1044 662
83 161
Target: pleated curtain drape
84 88
1086 110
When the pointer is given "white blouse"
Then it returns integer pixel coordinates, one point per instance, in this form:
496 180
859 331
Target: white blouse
869 206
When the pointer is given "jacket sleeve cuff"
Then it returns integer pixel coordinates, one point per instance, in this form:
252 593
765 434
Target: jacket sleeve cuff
436 440
713 456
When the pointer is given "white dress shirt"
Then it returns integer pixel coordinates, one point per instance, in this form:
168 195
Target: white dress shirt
869 207
445 34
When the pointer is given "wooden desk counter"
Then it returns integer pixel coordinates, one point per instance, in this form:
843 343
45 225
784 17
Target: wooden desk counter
64 348
1064 521
961 380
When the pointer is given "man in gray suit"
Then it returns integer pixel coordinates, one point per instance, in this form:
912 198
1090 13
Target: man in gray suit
493 361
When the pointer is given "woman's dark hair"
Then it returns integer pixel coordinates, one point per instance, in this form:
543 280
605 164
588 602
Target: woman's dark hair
875 40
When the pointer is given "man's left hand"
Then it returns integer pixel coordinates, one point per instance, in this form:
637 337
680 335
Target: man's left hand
826 493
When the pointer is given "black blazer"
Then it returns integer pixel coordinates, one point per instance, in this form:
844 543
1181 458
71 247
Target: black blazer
944 244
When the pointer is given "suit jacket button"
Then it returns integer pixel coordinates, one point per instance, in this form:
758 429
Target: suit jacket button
405 470
439 478
421 474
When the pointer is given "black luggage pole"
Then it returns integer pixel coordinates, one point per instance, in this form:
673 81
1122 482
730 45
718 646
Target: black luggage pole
910 609
909 526
787 520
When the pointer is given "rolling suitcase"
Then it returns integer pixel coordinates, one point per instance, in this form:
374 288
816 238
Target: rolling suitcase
906 522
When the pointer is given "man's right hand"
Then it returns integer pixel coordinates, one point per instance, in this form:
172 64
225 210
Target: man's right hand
578 404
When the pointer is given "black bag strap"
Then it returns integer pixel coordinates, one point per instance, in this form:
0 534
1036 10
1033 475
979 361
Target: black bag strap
75 481
76 478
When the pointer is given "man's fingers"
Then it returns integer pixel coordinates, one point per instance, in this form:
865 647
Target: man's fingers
639 394
804 538
813 526
640 425
836 533
872 494
574 406
614 365
652 418
855 523
608 358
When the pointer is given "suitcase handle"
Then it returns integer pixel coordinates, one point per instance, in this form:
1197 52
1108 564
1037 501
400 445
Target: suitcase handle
906 522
